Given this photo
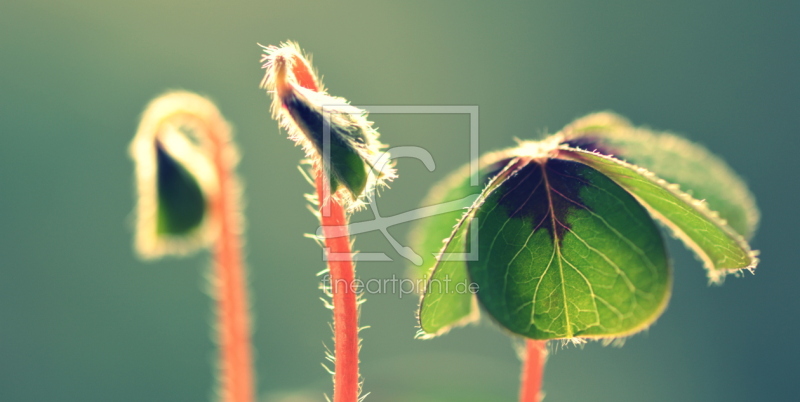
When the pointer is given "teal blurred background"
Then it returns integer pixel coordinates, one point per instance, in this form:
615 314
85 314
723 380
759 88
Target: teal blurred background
82 319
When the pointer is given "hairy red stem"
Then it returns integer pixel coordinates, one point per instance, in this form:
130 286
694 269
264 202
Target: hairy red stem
236 365
333 220
345 305
532 370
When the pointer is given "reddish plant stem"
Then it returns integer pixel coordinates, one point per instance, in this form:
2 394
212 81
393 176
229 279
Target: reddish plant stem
345 305
333 220
532 370
235 352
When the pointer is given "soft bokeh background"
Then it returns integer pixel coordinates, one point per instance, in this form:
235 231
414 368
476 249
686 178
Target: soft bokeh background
82 319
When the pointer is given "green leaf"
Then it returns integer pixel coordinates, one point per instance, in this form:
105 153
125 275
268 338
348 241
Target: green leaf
565 252
719 246
674 159
176 174
344 141
334 134
443 307
181 204
446 301
447 201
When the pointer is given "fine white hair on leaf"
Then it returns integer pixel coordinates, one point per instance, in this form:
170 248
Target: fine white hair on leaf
329 129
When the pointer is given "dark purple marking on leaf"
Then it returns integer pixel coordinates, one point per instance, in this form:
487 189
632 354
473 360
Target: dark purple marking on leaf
542 192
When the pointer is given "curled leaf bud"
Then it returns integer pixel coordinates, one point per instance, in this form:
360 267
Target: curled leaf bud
334 134
176 178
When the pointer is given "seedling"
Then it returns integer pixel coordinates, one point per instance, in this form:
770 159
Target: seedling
344 152
188 199
565 232
564 229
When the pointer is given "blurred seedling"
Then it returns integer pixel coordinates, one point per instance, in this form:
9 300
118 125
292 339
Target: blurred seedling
188 199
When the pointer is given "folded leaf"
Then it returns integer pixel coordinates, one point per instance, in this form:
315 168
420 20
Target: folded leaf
719 246
443 307
176 180
674 159
181 203
334 134
447 301
343 138
565 252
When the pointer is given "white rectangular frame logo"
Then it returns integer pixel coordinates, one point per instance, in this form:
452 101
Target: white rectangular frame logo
474 154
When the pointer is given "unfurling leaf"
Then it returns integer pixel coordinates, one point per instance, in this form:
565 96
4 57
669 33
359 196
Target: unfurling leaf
175 176
563 243
333 133
188 198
